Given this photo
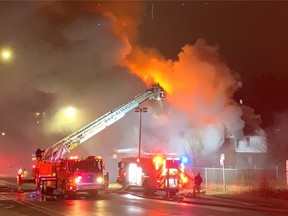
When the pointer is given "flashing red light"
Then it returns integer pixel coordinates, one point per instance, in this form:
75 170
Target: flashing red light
158 160
78 179
20 171
185 180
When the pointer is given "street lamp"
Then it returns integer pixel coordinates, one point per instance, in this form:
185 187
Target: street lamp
70 112
140 110
6 55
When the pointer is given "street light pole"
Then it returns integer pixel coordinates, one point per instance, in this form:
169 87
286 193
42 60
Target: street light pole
140 110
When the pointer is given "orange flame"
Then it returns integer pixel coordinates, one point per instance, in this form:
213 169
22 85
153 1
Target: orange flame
198 82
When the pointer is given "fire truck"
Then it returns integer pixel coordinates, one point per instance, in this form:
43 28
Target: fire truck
152 173
72 175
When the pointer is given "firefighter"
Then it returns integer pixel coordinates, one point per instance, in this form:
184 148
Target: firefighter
197 184
38 154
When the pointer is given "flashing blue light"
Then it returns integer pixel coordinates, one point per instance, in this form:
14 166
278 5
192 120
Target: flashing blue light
184 160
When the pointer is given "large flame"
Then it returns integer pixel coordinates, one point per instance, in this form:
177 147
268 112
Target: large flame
198 82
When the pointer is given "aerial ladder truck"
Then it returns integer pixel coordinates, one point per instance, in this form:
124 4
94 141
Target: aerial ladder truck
69 175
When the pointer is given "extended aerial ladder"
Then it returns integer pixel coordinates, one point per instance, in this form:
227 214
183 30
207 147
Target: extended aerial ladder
59 149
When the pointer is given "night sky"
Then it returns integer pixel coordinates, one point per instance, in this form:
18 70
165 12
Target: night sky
95 56
252 36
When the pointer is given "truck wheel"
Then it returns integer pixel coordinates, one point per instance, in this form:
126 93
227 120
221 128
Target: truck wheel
148 191
67 194
93 194
49 191
173 193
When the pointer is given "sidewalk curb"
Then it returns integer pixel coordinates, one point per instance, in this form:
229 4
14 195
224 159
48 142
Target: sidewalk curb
240 206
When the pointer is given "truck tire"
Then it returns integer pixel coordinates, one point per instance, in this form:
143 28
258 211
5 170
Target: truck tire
67 194
147 189
172 193
93 194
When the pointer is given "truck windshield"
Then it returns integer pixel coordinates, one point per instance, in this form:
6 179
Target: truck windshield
93 165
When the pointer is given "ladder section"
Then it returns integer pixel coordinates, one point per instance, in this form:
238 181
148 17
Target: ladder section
59 149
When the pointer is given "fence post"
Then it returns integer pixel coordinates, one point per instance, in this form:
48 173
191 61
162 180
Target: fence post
224 182
222 159
249 180
206 179
287 171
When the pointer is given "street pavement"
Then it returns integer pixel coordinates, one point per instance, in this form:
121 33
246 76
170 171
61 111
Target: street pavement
216 198
213 198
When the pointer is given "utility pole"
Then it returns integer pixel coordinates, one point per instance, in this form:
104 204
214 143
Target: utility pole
140 110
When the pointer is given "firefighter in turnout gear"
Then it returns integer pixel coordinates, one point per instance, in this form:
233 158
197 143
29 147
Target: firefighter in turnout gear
197 184
38 154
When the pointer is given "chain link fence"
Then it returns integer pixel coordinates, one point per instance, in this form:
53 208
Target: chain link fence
240 180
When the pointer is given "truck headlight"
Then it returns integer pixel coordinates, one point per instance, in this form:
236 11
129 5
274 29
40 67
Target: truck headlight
78 179
99 180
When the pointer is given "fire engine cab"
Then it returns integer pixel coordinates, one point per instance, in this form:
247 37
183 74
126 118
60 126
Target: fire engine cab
152 173
72 175
78 175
